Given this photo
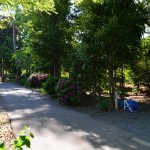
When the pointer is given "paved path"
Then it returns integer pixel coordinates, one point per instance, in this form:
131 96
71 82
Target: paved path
59 128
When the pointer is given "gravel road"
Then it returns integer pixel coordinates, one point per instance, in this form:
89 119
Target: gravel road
137 123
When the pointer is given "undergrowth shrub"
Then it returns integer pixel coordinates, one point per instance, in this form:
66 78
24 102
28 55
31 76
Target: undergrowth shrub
103 103
49 85
68 92
22 80
10 77
36 80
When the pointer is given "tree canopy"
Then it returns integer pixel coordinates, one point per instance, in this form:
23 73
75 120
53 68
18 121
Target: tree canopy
30 5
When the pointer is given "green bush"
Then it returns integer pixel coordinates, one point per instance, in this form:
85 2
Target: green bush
103 103
10 77
22 80
49 85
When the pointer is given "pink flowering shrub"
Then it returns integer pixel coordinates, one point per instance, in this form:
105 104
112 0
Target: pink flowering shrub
68 92
36 80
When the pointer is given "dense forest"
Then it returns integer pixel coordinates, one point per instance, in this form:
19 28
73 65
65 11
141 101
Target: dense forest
85 46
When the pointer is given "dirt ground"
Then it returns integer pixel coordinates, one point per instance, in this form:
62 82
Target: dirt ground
143 102
6 132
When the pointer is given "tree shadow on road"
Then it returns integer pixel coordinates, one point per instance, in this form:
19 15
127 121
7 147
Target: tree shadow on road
50 121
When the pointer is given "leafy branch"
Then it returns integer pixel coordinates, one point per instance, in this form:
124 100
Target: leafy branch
22 140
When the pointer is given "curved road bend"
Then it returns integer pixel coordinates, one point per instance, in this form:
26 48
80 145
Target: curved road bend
57 127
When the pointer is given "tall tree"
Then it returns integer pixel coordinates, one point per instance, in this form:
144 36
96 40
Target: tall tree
6 51
114 30
48 39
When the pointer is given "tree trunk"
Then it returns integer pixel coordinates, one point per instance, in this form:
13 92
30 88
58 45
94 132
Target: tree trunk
122 79
2 70
52 71
14 36
115 77
55 69
111 80
1 67
3 75
13 70
147 75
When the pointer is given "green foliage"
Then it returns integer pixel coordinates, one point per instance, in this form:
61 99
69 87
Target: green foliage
22 59
106 37
91 41
24 139
49 85
88 71
77 2
28 6
5 50
44 33
103 103
68 92
10 77
22 80
2 146
141 69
